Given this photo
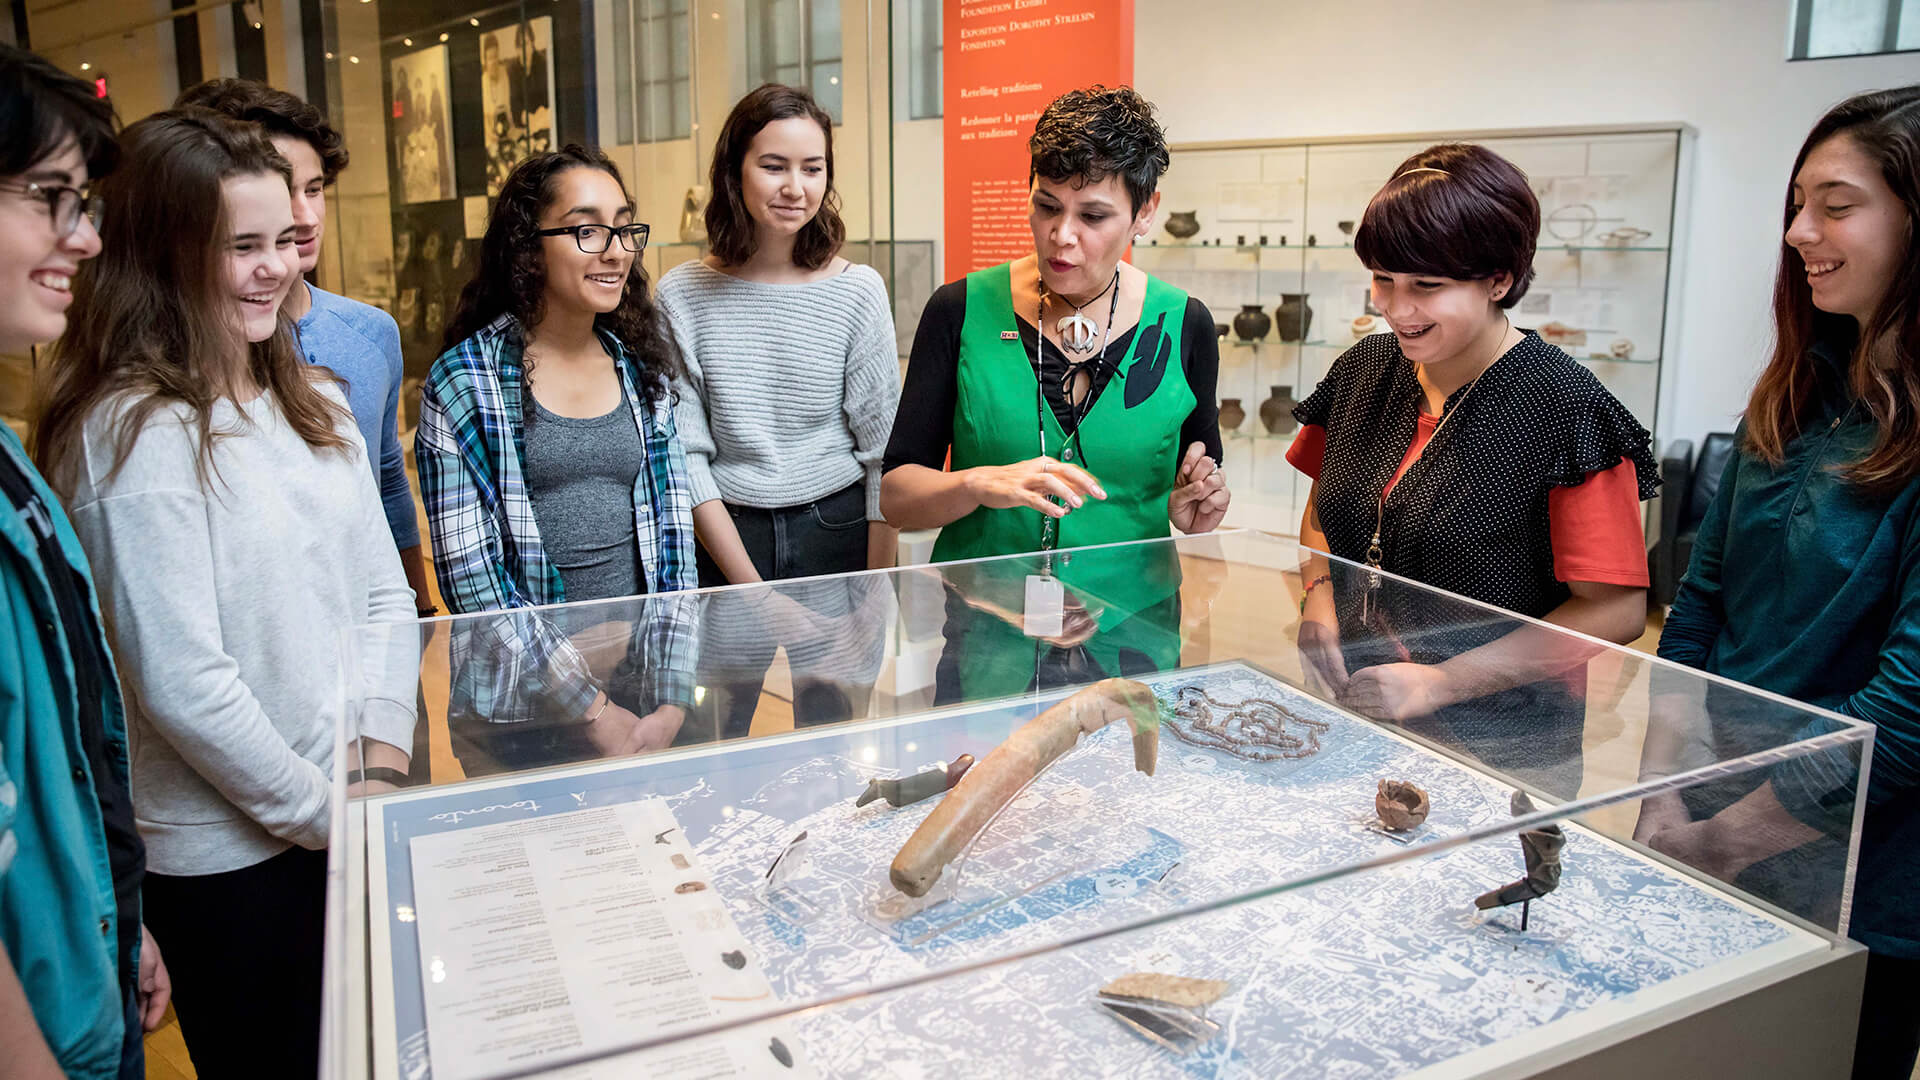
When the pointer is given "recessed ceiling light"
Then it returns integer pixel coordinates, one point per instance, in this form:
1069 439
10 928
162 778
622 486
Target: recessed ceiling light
353 59
443 37
86 67
406 41
473 22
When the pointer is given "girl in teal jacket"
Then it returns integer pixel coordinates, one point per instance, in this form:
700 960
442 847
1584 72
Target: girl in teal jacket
1805 579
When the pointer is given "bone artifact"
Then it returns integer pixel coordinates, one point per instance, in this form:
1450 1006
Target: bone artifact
994 782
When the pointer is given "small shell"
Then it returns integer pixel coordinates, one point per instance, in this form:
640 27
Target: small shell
1401 804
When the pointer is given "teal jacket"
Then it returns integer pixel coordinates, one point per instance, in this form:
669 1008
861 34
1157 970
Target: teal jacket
56 888
1802 584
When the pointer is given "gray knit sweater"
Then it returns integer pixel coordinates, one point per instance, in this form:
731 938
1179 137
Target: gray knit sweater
789 390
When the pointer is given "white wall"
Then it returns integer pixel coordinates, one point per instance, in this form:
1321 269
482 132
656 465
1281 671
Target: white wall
1253 69
1241 69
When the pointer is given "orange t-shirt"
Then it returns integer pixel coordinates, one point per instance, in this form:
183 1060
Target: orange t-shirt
1595 527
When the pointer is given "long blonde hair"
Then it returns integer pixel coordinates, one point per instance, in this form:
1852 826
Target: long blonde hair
151 318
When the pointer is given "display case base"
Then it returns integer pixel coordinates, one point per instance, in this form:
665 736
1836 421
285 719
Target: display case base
1799 1025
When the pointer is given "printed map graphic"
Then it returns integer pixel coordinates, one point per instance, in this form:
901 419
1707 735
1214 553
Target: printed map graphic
1382 973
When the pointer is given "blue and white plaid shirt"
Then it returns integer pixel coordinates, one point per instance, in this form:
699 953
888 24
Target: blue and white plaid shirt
487 551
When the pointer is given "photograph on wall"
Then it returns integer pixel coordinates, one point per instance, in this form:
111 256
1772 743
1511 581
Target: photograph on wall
422 143
516 94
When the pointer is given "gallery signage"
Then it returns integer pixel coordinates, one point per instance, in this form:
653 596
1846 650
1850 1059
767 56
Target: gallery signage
1004 61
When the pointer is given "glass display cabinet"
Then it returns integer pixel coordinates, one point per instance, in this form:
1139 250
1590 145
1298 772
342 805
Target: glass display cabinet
1148 821
1263 234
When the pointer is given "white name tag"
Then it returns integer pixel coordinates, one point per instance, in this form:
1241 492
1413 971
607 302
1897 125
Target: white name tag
1045 610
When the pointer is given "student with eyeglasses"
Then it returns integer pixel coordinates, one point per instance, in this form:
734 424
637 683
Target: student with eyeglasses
552 472
79 977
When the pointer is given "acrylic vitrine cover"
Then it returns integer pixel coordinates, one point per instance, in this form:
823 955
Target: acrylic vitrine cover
1128 820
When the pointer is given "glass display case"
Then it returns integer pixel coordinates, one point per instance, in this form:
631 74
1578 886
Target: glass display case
1148 822
1263 233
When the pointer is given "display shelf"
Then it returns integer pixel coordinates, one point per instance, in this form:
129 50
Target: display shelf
1262 343
1611 182
1544 245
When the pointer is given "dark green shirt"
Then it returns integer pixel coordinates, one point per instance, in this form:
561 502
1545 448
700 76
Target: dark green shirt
1803 584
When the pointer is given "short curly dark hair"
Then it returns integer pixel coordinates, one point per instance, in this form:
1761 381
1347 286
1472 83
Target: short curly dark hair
511 275
1088 135
279 112
1454 210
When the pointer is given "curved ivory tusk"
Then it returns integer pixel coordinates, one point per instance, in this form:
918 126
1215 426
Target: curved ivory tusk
993 782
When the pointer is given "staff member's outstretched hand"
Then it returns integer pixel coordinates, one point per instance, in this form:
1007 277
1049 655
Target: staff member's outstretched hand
1029 483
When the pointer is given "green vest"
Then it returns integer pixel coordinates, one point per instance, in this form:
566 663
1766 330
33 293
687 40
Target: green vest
1133 451
1129 441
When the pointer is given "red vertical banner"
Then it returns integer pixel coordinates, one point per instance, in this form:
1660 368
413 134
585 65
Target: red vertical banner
1004 61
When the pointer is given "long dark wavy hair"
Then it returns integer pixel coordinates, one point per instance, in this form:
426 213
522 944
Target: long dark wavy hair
730 230
152 313
1885 370
511 275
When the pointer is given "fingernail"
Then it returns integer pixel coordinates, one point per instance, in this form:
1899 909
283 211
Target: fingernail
1076 500
1099 492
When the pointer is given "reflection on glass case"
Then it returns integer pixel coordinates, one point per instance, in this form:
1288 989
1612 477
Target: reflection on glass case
1147 822
1263 234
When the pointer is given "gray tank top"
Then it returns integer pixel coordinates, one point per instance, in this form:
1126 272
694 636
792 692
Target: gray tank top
580 476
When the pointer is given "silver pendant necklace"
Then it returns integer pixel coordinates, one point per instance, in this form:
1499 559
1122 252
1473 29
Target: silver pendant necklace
1078 334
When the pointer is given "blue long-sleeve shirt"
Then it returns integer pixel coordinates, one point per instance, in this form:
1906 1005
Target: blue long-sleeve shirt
361 344
1803 584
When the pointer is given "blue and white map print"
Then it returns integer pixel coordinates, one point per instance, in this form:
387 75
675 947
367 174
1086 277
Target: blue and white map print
1386 972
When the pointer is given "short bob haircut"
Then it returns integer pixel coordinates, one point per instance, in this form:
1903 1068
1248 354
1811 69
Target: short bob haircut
42 109
1088 135
1455 210
279 112
729 225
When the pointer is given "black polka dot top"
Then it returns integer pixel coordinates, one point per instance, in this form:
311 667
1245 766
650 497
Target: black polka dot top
1470 516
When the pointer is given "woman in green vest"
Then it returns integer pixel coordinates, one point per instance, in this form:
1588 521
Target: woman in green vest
1074 397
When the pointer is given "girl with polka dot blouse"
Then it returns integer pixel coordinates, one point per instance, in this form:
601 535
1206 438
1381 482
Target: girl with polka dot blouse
1468 454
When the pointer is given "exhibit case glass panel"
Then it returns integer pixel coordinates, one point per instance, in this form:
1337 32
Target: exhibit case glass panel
1144 819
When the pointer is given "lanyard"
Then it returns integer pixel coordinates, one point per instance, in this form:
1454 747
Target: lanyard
1048 527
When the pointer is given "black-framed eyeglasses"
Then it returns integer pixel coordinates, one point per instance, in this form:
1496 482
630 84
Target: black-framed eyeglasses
66 205
594 239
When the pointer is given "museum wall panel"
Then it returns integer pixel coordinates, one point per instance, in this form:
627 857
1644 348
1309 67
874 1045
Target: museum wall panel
1292 69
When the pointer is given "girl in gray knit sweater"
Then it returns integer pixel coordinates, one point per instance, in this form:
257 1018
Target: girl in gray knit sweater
791 375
